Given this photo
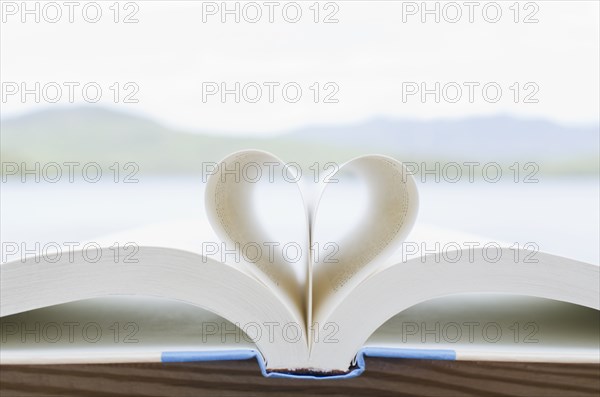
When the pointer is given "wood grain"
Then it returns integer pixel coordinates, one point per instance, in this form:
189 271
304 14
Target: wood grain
384 377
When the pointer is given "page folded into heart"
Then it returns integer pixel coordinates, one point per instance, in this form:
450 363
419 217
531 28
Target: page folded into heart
333 260
389 212
231 196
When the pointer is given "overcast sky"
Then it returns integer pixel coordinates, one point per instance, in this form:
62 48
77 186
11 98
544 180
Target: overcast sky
370 57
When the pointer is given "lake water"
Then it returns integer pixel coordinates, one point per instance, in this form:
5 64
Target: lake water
561 215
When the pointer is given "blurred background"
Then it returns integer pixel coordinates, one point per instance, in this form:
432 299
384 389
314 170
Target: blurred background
131 98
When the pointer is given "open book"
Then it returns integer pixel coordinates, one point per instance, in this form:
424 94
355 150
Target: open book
272 274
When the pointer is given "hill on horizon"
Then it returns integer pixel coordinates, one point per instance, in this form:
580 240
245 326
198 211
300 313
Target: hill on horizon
105 136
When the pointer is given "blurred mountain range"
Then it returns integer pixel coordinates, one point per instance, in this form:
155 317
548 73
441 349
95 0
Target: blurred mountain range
107 136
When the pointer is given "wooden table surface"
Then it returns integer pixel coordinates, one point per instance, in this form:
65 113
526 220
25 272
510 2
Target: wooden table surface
383 377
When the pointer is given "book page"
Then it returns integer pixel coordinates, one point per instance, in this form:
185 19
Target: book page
256 208
396 288
117 329
345 253
163 273
495 327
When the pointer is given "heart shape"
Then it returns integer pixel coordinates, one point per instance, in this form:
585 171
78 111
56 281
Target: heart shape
390 214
